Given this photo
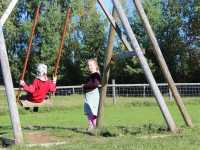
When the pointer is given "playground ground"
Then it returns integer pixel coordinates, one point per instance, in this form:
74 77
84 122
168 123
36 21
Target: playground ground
130 124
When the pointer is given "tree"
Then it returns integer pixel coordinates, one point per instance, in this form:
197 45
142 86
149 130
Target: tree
87 40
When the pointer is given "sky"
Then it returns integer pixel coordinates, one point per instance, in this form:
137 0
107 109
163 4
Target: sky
108 4
129 6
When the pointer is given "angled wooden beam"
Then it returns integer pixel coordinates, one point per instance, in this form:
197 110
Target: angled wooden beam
8 12
14 114
106 70
157 52
134 43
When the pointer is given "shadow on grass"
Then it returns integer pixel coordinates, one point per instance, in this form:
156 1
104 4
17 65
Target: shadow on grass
77 130
4 129
5 142
145 129
110 131
104 132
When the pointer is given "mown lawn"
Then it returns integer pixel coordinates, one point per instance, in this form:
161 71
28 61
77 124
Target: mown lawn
132 123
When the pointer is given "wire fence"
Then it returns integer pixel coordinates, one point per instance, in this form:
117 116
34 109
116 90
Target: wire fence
131 90
136 90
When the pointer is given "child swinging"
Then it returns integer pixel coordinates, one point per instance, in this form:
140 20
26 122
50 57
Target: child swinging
38 90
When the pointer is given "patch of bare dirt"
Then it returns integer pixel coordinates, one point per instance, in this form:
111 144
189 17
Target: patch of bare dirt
40 137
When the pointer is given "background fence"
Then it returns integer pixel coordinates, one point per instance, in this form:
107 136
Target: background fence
132 90
136 90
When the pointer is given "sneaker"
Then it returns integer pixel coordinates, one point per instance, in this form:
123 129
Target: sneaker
90 128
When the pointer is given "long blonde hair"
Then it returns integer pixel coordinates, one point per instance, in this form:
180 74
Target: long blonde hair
95 62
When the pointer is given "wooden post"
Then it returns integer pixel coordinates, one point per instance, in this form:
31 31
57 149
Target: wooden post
144 90
14 115
170 95
8 12
163 65
134 43
106 71
113 91
73 90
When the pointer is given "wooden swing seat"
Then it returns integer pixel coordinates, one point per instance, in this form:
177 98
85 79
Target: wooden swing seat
47 102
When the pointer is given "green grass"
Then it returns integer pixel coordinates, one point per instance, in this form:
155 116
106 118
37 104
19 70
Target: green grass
132 123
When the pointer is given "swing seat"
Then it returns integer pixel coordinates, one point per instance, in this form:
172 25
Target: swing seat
47 102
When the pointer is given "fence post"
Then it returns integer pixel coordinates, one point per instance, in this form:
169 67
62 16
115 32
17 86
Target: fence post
144 87
113 91
73 90
170 95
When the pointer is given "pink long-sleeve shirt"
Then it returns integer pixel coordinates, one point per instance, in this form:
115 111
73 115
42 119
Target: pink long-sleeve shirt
39 89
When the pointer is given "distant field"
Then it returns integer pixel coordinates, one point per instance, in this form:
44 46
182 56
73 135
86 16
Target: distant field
132 123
